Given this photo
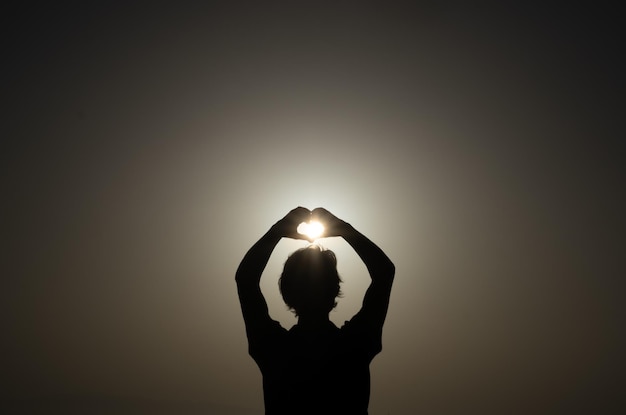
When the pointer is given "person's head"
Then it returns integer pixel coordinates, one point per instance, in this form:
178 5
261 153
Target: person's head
309 283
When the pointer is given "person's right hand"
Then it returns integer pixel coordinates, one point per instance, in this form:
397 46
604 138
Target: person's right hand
333 226
288 226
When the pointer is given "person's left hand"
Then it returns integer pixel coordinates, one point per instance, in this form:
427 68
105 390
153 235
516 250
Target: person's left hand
333 226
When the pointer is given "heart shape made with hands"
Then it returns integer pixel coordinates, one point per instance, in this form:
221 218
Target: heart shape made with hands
312 229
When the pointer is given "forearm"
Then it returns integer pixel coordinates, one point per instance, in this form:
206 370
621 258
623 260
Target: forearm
378 264
253 263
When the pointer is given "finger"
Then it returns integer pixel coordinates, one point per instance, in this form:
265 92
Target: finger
321 214
304 211
300 214
299 236
300 211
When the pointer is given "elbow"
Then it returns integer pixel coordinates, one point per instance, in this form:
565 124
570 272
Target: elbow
245 278
384 272
391 271
239 277
243 273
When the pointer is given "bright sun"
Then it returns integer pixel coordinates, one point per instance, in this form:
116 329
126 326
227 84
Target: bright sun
312 229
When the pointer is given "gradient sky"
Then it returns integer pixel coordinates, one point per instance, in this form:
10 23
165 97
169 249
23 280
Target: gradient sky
146 148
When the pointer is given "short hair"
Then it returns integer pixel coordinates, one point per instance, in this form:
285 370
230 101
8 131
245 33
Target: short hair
310 280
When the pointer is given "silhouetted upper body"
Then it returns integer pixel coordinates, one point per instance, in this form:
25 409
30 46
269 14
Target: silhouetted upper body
315 367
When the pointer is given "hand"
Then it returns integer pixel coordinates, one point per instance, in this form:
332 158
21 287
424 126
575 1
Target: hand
333 226
288 226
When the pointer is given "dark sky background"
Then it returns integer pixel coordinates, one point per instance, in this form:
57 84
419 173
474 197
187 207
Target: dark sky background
145 148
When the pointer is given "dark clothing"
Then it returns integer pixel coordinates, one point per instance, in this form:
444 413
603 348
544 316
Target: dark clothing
314 368
315 371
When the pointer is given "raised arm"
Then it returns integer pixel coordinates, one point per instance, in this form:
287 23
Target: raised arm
248 276
379 266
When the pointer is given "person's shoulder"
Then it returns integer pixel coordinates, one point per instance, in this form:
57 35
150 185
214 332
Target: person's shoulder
360 321
265 338
361 339
353 327
274 325
266 328
362 328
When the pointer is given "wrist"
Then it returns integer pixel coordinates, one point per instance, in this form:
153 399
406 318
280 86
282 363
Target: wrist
344 228
275 232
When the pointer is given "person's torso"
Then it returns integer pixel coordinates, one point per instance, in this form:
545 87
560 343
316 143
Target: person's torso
322 372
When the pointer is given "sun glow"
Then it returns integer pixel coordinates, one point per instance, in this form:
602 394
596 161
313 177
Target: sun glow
312 229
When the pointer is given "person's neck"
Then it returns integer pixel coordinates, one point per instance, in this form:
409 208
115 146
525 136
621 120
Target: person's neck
313 320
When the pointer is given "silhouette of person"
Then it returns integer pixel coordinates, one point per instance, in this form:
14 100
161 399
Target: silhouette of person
315 367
